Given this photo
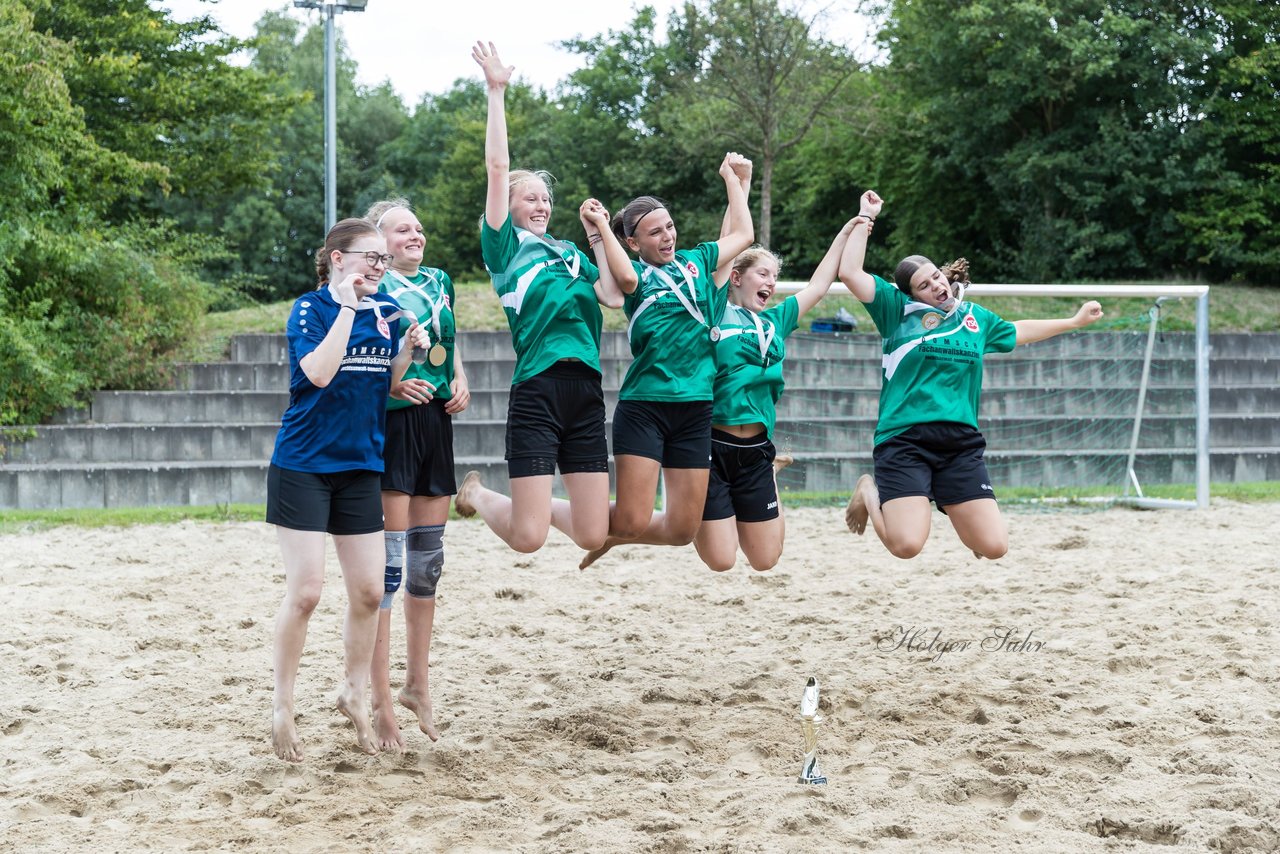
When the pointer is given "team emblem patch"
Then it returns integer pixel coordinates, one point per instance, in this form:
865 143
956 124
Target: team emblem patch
384 328
930 321
692 268
971 323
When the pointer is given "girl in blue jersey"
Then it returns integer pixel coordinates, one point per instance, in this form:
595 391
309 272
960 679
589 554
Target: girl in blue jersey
325 473
551 293
417 480
927 444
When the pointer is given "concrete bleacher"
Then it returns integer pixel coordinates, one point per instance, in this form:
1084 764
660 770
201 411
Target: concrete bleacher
1055 413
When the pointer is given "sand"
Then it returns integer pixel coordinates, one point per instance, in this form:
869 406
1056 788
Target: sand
1126 698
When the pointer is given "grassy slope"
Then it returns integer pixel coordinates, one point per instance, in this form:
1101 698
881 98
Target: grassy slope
1232 308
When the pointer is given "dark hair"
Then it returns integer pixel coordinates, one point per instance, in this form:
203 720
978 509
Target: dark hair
340 238
906 269
625 221
957 271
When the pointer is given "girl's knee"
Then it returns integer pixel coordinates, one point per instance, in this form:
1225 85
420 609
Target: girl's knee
527 542
303 602
905 549
629 525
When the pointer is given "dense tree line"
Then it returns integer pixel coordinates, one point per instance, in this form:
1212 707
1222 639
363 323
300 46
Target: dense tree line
146 177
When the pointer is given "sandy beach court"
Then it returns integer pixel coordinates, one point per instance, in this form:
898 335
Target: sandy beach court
1111 684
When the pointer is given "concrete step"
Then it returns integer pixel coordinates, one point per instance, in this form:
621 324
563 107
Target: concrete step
253 407
59 486
144 443
810 373
819 472
37 487
479 346
474 437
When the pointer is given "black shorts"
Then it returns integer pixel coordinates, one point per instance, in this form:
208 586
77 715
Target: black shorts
941 460
557 417
419 450
741 482
343 503
676 434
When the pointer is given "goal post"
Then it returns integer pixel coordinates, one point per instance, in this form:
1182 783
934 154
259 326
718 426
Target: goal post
1158 293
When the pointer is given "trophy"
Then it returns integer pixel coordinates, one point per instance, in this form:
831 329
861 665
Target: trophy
809 720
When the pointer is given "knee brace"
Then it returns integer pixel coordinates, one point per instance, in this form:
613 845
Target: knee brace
395 565
424 558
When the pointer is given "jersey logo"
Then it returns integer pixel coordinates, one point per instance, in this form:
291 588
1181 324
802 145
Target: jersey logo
692 268
384 328
445 298
971 323
930 321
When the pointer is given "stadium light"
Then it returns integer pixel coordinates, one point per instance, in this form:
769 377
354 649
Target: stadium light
330 8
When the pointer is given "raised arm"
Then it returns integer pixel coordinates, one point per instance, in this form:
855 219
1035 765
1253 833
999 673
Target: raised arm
742 168
857 280
825 273
741 230
1031 331
617 276
497 159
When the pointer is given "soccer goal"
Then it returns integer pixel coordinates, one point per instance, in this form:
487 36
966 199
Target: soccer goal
1109 414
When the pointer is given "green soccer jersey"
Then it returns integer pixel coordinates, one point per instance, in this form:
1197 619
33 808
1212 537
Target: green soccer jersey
932 362
671 315
749 358
547 291
429 295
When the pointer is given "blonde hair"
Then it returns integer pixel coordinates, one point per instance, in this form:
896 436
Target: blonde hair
523 176
378 210
752 256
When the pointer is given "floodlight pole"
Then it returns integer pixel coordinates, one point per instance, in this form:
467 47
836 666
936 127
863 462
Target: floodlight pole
330 120
330 8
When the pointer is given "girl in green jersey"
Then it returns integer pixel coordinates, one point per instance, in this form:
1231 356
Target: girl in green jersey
927 444
417 479
742 507
662 423
551 293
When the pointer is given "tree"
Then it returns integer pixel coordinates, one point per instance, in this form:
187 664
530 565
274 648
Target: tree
760 80
1230 225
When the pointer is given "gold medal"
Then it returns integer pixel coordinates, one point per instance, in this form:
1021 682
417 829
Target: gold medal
437 355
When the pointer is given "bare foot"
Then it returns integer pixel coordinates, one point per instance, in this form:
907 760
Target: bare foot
352 705
781 461
284 736
462 501
857 513
595 554
420 704
387 729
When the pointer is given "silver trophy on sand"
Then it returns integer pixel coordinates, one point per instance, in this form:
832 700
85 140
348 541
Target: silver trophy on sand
809 720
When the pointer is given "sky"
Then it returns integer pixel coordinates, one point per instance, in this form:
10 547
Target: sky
423 46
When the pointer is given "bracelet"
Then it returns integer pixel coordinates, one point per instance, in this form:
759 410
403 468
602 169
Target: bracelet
353 308
593 239
867 218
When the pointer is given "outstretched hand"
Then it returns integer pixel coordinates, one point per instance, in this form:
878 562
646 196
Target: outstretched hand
496 75
593 214
869 205
1090 312
736 166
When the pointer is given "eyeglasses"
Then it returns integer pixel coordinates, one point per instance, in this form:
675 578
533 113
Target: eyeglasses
371 258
